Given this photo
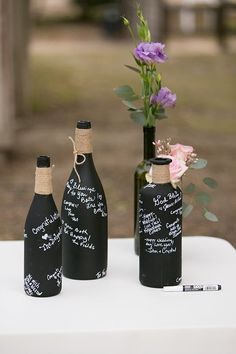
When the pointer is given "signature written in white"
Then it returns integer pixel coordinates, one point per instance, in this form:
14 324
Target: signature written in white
50 240
31 286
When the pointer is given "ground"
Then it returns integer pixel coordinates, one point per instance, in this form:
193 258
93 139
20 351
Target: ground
73 72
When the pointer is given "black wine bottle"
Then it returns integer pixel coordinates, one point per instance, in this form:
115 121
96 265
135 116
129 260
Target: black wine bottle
160 229
42 238
84 214
140 176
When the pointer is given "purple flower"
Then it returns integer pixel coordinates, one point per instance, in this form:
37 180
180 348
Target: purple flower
150 53
164 97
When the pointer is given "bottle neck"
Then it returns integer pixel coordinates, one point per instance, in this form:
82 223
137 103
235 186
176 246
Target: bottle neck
148 140
160 174
83 141
43 180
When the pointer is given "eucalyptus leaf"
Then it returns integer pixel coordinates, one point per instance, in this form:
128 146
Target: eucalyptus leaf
138 117
129 105
126 93
203 198
160 115
191 187
187 209
200 163
210 182
210 216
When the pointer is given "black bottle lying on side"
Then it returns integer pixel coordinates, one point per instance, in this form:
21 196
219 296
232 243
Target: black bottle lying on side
160 229
42 238
84 214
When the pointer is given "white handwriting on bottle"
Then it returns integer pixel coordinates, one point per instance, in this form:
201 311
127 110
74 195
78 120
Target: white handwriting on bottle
47 221
101 274
51 240
31 286
168 201
151 223
174 228
160 245
68 207
87 196
79 237
56 275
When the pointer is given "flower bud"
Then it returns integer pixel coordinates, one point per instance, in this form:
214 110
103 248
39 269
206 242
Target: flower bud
125 21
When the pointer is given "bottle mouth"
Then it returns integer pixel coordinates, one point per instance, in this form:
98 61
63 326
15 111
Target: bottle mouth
160 161
83 124
43 161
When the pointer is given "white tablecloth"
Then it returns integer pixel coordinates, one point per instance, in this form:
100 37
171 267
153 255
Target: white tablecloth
117 315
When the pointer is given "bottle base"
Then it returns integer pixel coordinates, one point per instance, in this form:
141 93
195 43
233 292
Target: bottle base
159 285
98 275
43 295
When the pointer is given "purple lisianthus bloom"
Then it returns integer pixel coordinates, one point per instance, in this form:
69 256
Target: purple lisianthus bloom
150 53
164 97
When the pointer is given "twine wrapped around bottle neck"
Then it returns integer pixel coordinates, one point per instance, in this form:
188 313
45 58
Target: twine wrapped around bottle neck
81 145
83 141
43 180
160 174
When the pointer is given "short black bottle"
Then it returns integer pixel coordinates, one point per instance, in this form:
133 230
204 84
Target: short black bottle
84 214
42 238
160 229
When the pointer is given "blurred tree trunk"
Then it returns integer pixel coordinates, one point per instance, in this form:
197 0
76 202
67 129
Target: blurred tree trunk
13 66
7 82
152 11
21 41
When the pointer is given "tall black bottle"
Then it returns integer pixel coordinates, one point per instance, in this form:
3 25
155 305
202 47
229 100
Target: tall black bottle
140 176
160 229
42 238
84 214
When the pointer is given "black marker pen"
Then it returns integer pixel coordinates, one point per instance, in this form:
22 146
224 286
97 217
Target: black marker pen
179 288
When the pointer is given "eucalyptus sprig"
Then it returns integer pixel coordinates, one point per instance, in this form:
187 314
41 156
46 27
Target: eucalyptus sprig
197 197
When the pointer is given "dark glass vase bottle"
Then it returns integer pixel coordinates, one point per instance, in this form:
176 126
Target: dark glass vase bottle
84 214
42 238
160 229
140 176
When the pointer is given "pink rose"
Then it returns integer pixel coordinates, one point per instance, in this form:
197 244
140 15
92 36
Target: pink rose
181 152
177 169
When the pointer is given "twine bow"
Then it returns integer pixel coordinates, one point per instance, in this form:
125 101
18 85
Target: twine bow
75 152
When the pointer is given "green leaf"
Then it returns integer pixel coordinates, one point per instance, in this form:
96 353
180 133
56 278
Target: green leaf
132 68
138 117
191 187
203 198
200 163
210 182
187 209
129 105
210 216
126 93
